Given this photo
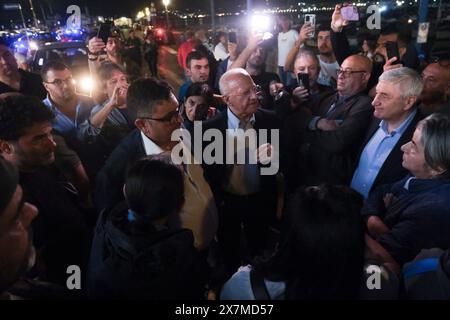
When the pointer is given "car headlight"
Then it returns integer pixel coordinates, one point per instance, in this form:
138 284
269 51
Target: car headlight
33 45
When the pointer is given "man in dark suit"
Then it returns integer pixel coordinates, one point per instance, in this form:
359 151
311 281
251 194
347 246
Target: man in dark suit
244 192
157 118
331 130
396 115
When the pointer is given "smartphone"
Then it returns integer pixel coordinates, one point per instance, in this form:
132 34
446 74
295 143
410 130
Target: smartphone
232 37
350 13
311 20
104 32
303 80
392 50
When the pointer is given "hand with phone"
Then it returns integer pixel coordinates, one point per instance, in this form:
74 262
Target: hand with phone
310 20
305 31
337 20
96 45
393 56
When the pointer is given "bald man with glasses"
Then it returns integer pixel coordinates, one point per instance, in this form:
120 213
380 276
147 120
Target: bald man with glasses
332 128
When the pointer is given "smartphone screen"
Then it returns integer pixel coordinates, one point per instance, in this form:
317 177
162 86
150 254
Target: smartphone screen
104 32
350 13
232 37
392 50
303 80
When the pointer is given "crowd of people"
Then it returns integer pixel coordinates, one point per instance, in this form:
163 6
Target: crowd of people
363 181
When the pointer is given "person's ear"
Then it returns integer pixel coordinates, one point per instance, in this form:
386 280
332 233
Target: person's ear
45 85
6 147
140 124
226 99
410 102
188 72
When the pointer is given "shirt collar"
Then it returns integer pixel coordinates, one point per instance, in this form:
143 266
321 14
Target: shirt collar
150 147
48 101
233 120
401 128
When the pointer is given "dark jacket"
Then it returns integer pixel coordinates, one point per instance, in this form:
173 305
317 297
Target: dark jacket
60 231
111 178
216 173
152 262
329 156
418 218
392 169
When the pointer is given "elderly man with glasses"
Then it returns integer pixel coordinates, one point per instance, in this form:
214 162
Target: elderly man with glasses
244 194
157 116
332 129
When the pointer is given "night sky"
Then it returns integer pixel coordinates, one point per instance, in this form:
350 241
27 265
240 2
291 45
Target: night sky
122 7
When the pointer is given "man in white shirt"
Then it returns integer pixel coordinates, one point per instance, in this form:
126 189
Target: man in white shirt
286 40
329 66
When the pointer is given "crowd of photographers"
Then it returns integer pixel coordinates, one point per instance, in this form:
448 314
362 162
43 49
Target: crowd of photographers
362 191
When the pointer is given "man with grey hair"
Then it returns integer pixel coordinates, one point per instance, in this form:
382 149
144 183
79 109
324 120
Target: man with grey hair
243 195
395 118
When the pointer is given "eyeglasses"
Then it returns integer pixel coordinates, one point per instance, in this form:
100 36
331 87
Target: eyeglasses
170 117
254 89
348 73
59 82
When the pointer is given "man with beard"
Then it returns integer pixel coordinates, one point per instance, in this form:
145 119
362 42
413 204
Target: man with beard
71 111
327 59
436 88
407 52
60 232
329 67
13 79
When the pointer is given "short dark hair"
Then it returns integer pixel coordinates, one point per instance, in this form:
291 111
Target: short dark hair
18 113
194 55
404 36
154 188
145 94
200 89
324 27
54 65
106 69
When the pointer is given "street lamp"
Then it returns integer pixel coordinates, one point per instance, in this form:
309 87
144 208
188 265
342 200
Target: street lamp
166 3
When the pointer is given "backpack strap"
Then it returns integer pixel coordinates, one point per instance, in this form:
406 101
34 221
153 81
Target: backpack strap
258 286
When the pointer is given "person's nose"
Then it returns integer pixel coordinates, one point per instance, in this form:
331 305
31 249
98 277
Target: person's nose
405 148
376 101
